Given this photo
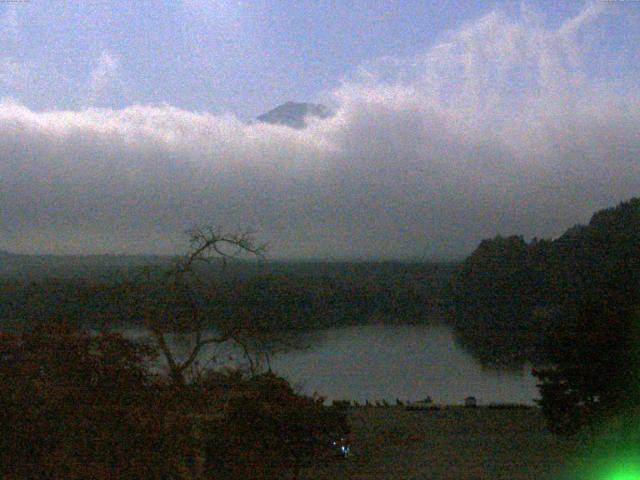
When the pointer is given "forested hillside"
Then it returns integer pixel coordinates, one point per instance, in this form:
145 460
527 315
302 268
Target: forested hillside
510 296
278 295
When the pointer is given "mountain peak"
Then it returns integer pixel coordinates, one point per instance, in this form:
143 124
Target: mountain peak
294 114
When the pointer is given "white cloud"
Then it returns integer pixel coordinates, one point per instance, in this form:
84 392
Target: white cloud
105 76
495 129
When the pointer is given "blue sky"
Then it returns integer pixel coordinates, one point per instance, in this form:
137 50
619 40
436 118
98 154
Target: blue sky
122 124
246 57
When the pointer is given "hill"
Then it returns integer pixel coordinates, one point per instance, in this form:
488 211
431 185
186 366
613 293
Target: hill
64 266
509 295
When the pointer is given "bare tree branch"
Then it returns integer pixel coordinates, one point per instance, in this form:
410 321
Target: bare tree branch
182 295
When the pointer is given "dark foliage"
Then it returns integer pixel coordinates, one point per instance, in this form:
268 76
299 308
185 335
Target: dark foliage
571 303
77 406
496 293
509 295
270 432
596 372
299 296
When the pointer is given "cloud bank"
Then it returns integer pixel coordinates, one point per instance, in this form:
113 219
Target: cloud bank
498 128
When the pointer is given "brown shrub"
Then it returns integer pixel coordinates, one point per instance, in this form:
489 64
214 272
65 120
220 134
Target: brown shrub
270 432
80 406
74 405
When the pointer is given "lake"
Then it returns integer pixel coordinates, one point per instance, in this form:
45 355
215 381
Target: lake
386 362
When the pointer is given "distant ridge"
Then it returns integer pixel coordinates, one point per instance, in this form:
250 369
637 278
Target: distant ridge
294 114
18 264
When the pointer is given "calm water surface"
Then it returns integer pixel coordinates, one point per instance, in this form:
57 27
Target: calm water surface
377 362
409 362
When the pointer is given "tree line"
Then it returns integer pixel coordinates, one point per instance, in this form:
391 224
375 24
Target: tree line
298 296
570 306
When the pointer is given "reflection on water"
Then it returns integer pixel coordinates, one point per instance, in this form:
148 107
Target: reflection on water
386 362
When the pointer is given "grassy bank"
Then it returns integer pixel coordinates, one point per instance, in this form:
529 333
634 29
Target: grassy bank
454 443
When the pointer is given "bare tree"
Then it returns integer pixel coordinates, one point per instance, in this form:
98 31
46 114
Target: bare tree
179 300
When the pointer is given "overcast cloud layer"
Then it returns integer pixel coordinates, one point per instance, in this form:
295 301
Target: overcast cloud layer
498 128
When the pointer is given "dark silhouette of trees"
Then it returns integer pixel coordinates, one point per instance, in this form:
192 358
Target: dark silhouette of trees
270 432
594 345
570 304
80 406
495 294
509 296
77 406
596 366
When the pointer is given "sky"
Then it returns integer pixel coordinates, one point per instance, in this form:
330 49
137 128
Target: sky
123 124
